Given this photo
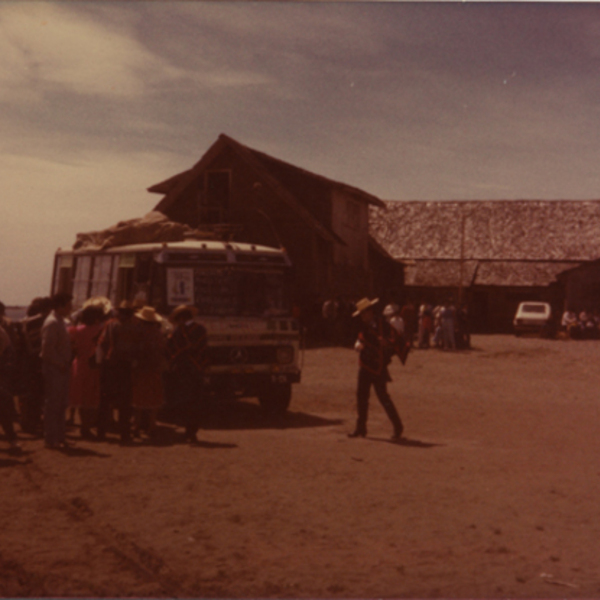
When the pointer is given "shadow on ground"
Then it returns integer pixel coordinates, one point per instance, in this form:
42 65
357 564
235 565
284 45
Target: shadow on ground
409 442
247 415
12 462
80 451
231 416
14 457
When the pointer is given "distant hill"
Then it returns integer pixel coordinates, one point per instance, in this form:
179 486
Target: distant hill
16 312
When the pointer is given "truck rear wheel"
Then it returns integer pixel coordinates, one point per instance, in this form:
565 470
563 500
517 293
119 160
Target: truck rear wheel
275 398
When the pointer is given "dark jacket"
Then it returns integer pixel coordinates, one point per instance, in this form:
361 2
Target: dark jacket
377 339
186 347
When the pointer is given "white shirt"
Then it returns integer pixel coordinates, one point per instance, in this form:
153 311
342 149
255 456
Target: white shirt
397 322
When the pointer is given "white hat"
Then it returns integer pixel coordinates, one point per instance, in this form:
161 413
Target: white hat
148 314
100 302
390 310
363 304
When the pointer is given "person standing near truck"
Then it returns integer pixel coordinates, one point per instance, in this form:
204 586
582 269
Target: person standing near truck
31 377
56 365
186 355
116 353
7 407
147 388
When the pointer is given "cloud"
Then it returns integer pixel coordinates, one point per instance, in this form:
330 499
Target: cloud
52 47
47 202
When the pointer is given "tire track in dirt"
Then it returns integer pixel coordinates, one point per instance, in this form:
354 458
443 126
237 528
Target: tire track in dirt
144 563
17 581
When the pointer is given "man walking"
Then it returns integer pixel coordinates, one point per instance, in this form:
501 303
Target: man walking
376 346
56 363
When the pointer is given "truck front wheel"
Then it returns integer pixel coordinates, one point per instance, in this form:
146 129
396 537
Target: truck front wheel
275 398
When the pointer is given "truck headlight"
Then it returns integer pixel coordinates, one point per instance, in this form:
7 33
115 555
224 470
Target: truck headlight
285 355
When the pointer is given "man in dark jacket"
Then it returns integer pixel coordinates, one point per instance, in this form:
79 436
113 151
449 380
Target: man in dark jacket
186 353
116 353
376 344
31 378
7 407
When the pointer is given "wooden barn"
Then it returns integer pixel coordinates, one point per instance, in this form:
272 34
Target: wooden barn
243 194
489 255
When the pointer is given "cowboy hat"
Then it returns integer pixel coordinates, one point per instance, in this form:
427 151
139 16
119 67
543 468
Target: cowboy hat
183 307
363 304
147 313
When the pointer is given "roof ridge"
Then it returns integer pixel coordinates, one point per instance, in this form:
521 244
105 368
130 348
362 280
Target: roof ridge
352 189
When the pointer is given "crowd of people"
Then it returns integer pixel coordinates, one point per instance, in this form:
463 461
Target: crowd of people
98 362
442 326
115 368
584 325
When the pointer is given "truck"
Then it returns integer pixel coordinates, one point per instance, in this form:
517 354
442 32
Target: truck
241 292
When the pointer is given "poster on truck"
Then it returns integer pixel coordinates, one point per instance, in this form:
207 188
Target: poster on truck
180 286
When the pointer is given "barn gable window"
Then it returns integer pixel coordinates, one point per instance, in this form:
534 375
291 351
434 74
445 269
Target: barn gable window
214 198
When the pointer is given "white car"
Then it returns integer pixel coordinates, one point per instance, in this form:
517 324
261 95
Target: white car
533 317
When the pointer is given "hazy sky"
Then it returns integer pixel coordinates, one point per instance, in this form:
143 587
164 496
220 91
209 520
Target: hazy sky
411 101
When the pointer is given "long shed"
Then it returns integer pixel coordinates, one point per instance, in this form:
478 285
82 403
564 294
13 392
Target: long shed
490 255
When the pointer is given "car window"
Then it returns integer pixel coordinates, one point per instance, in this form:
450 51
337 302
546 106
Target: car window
534 308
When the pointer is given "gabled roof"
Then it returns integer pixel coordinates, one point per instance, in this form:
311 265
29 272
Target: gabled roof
500 230
272 172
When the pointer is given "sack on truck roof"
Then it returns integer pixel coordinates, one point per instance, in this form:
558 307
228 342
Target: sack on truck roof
153 227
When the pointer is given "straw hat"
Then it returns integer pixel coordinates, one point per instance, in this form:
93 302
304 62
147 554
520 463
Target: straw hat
183 307
99 302
363 304
148 314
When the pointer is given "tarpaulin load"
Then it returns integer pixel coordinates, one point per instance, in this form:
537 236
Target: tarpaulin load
153 227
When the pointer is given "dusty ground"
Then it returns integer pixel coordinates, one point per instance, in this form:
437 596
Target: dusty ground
494 494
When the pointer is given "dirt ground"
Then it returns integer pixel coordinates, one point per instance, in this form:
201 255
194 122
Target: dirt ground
494 493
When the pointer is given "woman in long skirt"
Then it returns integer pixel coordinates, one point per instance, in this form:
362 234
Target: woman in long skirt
84 391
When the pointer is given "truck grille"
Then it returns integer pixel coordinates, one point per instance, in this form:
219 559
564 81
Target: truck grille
242 355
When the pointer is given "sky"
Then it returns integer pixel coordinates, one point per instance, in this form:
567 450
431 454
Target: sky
405 100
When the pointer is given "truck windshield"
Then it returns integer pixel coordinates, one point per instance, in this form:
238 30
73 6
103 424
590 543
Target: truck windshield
240 292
